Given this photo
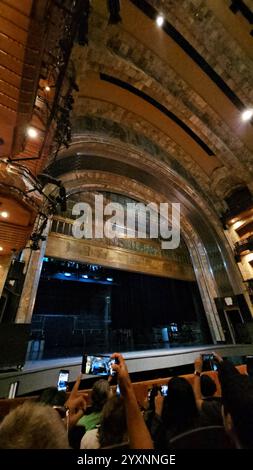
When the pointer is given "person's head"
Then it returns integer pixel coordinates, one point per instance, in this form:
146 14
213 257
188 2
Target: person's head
113 427
100 393
208 386
52 396
33 426
237 410
179 408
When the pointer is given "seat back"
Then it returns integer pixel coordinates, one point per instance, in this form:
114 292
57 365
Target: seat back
209 437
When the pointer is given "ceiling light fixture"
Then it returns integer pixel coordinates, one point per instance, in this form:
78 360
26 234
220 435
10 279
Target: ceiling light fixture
159 20
1 248
247 114
4 214
31 132
47 88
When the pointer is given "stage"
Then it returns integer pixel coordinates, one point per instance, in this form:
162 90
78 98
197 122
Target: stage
40 374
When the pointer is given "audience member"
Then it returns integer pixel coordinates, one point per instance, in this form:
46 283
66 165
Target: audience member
237 400
204 390
100 393
112 429
33 426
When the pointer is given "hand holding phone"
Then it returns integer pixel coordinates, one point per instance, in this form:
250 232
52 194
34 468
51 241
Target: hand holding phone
98 365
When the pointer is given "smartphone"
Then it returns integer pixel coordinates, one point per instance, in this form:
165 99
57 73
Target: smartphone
209 362
249 365
98 365
164 390
63 380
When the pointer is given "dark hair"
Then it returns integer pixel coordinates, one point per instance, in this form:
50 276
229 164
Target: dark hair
237 398
179 412
100 394
52 396
113 422
208 386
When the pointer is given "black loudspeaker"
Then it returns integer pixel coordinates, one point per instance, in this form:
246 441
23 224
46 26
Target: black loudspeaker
14 339
239 200
16 270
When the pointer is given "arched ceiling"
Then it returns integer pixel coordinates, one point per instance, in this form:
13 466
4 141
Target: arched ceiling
138 79
169 97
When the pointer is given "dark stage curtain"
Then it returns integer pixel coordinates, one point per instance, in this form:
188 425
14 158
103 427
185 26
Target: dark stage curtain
146 301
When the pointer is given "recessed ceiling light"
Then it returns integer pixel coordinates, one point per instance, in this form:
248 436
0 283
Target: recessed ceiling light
4 214
247 114
159 20
1 248
31 132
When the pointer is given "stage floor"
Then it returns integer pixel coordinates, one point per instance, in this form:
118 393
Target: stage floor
40 374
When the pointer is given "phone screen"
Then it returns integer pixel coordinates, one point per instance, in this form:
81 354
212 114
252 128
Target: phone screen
164 390
208 362
99 365
63 380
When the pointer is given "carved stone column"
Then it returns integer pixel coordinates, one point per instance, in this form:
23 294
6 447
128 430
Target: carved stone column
5 262
33 271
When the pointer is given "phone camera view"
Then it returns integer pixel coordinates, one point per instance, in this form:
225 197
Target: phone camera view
164 390
209 362
63 380
99 365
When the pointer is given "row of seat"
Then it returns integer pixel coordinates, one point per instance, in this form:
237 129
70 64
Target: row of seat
140 388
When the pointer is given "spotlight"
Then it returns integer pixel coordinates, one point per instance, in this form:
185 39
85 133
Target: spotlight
114 9
159 20
247 114
4 214
47 88
31 132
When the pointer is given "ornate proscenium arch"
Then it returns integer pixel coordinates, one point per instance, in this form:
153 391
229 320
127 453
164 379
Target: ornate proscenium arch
101 163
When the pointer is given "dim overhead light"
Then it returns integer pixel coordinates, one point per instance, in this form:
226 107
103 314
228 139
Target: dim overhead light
47 88
1 248
247 114
4 214
31 132
159 20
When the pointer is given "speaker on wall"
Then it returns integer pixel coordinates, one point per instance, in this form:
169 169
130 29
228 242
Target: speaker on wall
14 339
